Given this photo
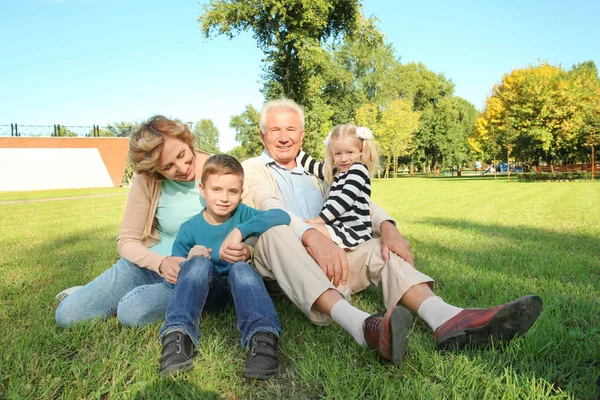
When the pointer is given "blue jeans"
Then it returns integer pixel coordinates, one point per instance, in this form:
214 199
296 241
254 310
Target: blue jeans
135 294
200 287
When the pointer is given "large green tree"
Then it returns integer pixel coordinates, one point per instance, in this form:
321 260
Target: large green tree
206 136
284 30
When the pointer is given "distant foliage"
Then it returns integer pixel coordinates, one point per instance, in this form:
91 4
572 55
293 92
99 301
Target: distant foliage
206 136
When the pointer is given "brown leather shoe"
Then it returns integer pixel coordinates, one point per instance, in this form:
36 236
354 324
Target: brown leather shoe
479 326
388 334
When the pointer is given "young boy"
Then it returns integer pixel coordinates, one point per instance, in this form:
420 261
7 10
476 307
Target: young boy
205 281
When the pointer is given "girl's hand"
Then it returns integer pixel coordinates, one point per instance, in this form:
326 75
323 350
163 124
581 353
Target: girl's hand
169 268
199 250
315 221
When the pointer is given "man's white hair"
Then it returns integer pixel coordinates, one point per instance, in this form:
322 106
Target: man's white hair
280 105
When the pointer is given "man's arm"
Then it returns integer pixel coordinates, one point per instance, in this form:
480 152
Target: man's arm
391 239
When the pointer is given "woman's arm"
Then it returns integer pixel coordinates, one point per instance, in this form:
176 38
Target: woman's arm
137 211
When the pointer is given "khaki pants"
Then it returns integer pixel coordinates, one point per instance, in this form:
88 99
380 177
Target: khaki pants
281 256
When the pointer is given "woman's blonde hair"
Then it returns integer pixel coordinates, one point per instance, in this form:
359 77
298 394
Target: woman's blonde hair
147 142
368 149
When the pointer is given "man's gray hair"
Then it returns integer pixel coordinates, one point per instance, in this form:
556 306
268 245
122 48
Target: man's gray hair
280 105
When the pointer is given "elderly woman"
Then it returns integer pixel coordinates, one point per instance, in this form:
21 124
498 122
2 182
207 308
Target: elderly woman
164 194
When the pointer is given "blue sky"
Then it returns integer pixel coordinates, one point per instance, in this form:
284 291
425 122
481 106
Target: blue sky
84 62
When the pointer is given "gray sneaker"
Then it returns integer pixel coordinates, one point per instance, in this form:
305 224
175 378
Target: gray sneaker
65 293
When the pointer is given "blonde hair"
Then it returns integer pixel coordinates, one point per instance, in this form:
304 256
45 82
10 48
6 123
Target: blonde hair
368 149
280 105
147 143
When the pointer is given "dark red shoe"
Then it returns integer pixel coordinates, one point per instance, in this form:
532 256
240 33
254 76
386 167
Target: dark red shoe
388 334
478 327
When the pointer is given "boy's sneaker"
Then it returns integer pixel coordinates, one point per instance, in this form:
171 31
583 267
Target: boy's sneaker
262 362
65 293
177 354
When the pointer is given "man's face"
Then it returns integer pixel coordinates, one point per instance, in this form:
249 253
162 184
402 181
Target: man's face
283 137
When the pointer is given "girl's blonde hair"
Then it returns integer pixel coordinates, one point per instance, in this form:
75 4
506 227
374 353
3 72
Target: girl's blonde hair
147 143
368 149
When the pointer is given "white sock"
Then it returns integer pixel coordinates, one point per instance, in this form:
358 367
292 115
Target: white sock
351 319
435 311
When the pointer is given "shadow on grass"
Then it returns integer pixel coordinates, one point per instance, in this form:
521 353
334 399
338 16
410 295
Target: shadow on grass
175 388
502 263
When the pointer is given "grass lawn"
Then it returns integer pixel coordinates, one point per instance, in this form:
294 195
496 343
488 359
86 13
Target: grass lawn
50 194
484 241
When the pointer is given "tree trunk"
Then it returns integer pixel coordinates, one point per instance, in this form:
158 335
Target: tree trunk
395 166
436 171
412 167
387 168
593 163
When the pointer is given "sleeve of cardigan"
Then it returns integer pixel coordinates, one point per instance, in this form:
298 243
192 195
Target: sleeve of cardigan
129 242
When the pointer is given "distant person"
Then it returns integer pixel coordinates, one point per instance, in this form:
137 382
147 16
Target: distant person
163 195
206 279
276 179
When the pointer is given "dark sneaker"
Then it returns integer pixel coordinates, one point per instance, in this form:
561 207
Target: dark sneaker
388 334
262 362
177 354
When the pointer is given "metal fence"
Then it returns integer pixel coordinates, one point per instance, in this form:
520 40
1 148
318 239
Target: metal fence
56 130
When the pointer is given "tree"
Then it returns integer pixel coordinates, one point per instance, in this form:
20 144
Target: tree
283 29
118 129
206 136
395 131
247 131
65 132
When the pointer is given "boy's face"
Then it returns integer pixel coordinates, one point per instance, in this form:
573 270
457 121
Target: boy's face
222 194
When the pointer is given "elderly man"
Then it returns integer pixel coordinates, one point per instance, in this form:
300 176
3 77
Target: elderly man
310 267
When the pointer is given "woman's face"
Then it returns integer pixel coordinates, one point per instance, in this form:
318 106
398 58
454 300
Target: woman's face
177 161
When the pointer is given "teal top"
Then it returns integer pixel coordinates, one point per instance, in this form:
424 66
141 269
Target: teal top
249 221
178 202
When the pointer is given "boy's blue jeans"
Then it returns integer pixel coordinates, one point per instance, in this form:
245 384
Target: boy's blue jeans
200 287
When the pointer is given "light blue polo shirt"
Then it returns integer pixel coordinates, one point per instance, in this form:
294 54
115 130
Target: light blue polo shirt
297 190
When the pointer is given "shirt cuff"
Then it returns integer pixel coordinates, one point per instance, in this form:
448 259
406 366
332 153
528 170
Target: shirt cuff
303 229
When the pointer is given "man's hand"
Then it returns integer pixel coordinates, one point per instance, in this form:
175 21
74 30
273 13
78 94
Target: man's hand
232 249
392 240
199 250
169 268
328 256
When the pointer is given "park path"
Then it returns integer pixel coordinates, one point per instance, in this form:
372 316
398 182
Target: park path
3 203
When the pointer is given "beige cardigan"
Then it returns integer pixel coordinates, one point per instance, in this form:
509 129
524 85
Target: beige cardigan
138 229
261 192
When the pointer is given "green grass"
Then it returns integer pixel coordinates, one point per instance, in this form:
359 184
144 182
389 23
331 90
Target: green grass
50 194
484 241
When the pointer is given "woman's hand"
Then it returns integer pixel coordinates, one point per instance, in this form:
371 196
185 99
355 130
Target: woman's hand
169 268
199 250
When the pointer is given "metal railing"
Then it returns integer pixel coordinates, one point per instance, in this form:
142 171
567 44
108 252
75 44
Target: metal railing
16 130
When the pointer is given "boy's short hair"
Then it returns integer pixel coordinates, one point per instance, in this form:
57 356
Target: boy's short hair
221 164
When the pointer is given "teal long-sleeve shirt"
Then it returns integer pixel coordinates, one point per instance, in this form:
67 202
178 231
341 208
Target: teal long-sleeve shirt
250 222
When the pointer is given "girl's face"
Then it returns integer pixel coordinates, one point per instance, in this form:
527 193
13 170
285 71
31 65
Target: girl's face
345 153
177 161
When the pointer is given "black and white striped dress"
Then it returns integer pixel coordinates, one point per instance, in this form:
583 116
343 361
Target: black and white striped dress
346 211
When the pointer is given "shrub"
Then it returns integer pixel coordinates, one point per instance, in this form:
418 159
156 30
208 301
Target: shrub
555 176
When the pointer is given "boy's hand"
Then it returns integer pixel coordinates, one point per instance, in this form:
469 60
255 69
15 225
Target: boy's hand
199 250
169 268
234 238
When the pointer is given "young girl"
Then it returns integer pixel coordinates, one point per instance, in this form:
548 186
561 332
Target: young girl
350 158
